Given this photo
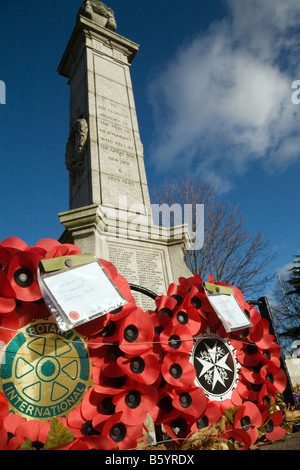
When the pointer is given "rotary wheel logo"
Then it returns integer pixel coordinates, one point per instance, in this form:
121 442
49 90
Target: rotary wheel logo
45 372
216 366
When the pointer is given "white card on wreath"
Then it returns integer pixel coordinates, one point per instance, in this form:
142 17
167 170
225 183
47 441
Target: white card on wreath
229 311
83 292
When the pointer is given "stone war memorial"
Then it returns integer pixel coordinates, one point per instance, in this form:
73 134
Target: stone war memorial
110 212
109 342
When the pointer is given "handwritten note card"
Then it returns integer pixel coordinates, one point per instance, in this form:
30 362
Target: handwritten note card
84 292
229 312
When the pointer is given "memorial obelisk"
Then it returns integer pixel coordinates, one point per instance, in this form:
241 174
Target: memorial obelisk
109 206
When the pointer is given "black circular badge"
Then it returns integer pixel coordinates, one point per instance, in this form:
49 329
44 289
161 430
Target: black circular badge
216 367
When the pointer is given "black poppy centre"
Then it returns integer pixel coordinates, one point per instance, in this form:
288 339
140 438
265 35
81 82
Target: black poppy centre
215 366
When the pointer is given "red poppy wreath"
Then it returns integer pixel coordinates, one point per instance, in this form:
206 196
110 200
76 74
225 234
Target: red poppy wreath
97 380
92 387
207 370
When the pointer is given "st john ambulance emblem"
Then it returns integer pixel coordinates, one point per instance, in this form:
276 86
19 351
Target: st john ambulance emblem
216 367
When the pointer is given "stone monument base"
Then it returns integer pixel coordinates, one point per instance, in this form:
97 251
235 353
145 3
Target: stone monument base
146 255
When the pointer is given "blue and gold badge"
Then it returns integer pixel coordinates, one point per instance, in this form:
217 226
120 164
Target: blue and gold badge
45 372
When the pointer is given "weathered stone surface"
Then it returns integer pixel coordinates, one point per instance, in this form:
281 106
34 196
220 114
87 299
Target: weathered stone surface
293 366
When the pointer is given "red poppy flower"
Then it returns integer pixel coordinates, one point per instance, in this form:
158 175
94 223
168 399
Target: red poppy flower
85 443
29 311
189 282
236 398
113 380
266 394
226 404
96 408
9 324
38 250
272 426
144 368
47 244
120 435
12 421
246 391
7 294
197 299
112 385
165 408
166 305
243 437
248 418
122 285
248 354
160 322
192 402
135 403
274 377
82 420
123 311
188 315
178 371
62 250
36 431
136 332
260 334
105 360
254 315
212 414
176 292
179 429
75 422
14 244
4 405
271 355
5 257
22 276
6 441
176 339
252 375
106 336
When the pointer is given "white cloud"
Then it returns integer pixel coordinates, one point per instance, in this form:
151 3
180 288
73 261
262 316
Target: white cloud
284 271
225 99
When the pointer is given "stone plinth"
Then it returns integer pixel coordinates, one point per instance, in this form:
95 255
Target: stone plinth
293 366
145 254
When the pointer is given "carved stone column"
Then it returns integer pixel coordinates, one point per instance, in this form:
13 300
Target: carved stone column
110 211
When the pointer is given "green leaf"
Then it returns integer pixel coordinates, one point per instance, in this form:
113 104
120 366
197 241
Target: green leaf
27 445
272 406
230 413
58 435
261 431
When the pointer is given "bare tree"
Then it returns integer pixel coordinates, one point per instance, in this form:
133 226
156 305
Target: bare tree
229 252
286 312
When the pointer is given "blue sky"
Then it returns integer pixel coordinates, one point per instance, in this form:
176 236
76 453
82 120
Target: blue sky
212 84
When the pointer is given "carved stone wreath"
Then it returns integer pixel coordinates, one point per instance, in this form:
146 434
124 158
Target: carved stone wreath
94 6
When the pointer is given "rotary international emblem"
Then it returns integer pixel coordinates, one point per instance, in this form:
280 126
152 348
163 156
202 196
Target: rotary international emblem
216 367
44 371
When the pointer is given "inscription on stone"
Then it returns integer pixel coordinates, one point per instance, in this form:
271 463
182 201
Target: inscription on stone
141 267
112 111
